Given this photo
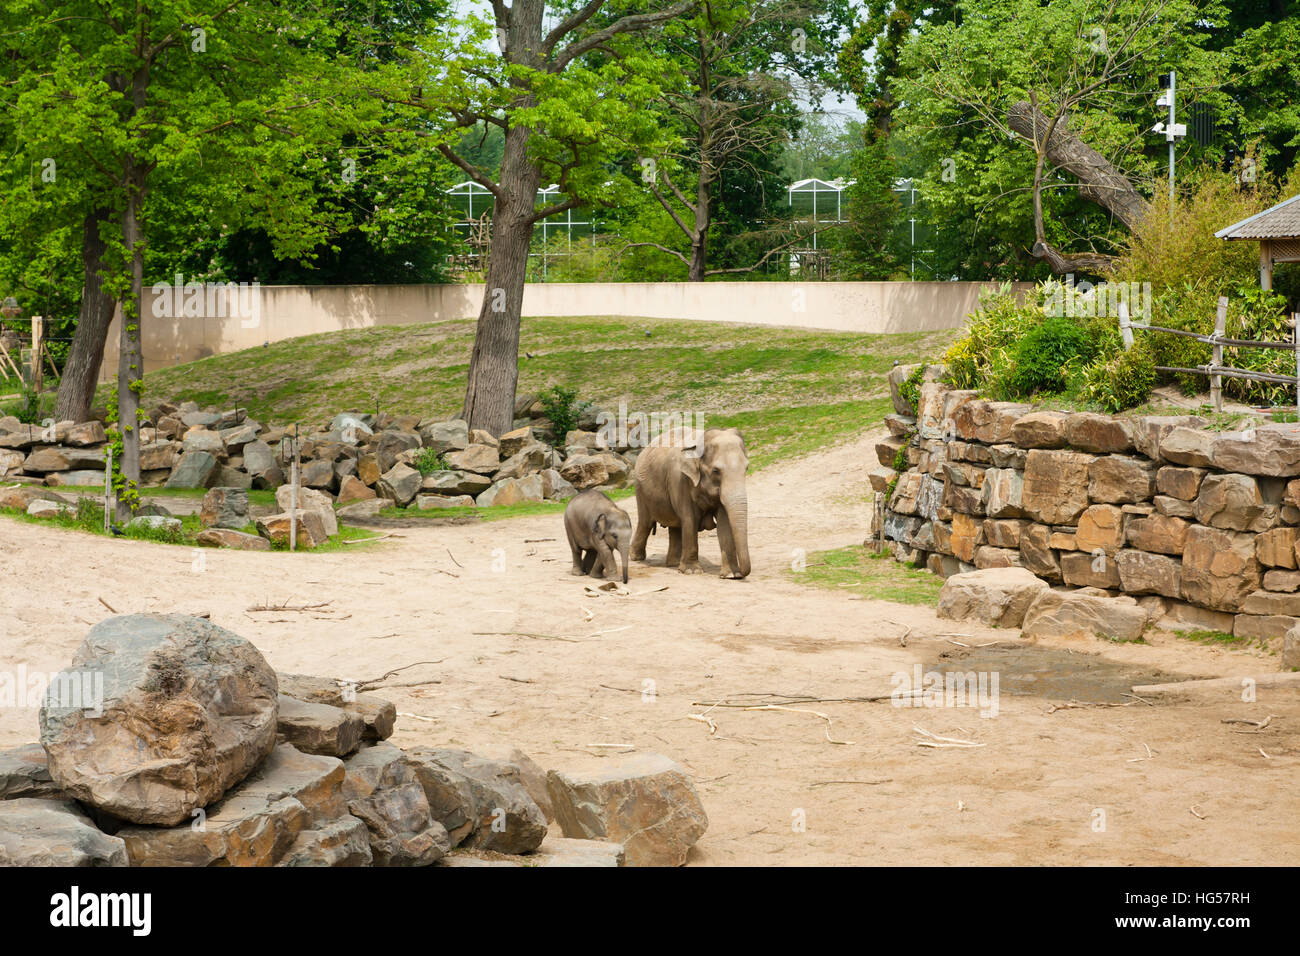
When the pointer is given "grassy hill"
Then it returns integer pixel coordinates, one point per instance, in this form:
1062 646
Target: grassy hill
789 391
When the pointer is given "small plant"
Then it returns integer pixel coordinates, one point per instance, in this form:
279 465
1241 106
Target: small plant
27 409
429 460
900 459
561 407
910 390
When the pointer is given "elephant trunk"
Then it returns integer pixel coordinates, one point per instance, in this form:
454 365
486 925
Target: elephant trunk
736 503
624 549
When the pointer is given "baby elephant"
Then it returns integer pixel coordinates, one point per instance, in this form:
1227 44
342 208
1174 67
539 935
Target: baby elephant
597 528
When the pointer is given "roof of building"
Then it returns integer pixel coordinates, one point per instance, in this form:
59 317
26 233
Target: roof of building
1277 222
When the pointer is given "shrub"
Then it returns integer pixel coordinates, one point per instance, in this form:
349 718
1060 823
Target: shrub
1044 358
27 409
992 329
429 460
1122 381
561 407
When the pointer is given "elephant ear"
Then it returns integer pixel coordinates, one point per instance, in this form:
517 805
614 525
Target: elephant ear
599 524
690 468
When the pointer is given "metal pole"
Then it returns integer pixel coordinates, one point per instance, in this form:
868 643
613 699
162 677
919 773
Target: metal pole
1216 381
1172 82
1295 324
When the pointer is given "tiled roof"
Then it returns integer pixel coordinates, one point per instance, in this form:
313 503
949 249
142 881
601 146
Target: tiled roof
1278 222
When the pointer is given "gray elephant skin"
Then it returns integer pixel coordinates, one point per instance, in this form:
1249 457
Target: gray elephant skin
689 490
597 528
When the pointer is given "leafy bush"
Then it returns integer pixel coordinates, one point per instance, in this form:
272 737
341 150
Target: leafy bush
561 407
429 460
1122 381
991 331
28 408
1045 358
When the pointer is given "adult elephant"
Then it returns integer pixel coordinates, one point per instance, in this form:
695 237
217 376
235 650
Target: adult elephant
688 486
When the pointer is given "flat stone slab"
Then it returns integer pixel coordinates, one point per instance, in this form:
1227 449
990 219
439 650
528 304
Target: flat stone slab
319 728
25 772
36 832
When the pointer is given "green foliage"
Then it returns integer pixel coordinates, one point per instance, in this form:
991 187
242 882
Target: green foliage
429 460
1122 381
900 459
1044 358
991 331
561 407
910 389
30 408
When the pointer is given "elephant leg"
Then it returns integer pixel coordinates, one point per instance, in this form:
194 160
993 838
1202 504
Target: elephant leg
604 560
674 547
577 557
588 560
727 545
643 528
690 563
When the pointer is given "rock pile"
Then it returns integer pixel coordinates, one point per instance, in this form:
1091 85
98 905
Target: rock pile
171 742
363 461
1128 519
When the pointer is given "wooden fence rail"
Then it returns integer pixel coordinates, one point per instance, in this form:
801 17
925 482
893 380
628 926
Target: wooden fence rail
1216 370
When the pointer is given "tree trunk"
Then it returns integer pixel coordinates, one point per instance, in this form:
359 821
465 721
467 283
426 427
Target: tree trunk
81 370
494 364
130 364
1099 181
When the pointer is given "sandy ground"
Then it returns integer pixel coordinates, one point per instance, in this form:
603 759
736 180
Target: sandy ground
525 656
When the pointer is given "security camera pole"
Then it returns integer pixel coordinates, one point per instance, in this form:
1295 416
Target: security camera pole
1173 131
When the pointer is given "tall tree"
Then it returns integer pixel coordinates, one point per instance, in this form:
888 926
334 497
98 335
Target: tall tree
210 96
565 117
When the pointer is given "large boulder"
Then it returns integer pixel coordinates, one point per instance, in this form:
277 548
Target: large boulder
1272 450
1056 485
1143 573
195 469
998 597
25 772
310 530
188 709
478 457
1163 534
319 728
1118 479
224 508
382 790
1235 502
1072 614
226 538
257 823
513 491
1101 434
480 802
1219 568
378 715
309 499
399 484
445 436
36 832
1101 528
644 802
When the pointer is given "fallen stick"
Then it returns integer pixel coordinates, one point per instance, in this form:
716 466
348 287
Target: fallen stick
1258 724
937 741
361 685
1194 812
287 607
450 574
542 637
402 713
860 783
800 710
713 728
517 680
380 537
536 540
454 561
107 605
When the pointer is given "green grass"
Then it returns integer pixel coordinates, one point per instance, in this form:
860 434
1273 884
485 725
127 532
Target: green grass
859 570
524 509
790 391
88 517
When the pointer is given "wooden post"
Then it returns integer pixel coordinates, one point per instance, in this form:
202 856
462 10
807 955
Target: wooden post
1220 327
1295 337
108 486
1265 265
38 336
879 518
293 496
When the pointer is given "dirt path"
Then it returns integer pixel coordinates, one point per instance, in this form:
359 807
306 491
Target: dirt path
527 658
